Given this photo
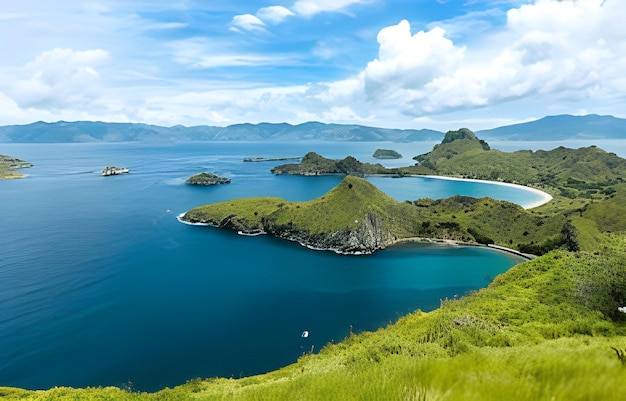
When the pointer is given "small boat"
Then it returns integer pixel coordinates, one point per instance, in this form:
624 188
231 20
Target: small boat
305 334
114 170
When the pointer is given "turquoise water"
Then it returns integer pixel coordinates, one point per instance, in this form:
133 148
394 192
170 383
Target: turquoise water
101 285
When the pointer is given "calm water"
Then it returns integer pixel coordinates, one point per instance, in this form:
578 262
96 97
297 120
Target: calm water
101 285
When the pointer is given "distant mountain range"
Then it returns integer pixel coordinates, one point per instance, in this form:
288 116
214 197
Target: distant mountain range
85 131
548 128
560 127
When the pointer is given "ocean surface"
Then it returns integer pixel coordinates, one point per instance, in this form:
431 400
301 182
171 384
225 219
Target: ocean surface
101 285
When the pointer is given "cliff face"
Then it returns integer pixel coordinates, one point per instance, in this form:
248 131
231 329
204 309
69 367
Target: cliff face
366 237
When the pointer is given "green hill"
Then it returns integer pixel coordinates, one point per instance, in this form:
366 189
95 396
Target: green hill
314 164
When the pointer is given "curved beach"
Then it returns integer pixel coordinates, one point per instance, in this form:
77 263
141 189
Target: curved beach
544 197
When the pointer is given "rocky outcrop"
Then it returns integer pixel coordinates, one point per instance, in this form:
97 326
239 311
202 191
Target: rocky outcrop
207 179
9 164
386 154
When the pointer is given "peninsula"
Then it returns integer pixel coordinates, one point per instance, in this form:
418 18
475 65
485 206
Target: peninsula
9 164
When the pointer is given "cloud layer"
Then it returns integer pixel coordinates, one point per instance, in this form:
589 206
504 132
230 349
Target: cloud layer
545 57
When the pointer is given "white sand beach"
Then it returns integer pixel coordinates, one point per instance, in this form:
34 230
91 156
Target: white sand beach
544 197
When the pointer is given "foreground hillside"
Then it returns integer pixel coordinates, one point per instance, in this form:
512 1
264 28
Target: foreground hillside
548 329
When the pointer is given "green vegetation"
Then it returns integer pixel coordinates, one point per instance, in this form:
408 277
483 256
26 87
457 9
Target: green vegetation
547 329
314 164
386 154
207 179
9 164
357 217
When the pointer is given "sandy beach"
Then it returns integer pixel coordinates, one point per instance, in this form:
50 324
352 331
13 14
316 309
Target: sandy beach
545 197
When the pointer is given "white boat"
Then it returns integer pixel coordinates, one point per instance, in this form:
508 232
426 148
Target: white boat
305 334
113 170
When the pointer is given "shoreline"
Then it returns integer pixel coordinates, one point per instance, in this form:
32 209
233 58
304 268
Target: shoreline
453 243
545 197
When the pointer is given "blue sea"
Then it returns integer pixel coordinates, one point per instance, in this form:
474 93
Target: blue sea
101 285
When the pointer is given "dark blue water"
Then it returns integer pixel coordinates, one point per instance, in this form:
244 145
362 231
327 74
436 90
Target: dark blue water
101 285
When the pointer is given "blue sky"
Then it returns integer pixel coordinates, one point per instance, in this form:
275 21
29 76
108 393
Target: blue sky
439 64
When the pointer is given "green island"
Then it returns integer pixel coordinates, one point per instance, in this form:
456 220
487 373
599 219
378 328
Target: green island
386 154
9 164
551 328
206 179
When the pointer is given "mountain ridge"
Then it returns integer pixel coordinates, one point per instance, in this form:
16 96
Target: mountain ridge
558 127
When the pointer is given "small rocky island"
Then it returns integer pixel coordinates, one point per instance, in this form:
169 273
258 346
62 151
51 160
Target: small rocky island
207 179
386 154
9 164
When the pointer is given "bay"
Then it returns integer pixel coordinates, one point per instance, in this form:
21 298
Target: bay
101 285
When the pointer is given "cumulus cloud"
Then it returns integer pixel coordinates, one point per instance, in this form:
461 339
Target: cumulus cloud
247 22
274 14
59 78
562 49
406 63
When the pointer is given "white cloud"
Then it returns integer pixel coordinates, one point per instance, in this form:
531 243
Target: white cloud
406 63
567 50
59 78
247 22
274 14
308 8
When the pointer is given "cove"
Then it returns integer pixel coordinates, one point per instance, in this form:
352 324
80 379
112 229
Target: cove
101 285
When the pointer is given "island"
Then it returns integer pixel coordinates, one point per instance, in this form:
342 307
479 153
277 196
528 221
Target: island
315 164
9 164
386 154
206 179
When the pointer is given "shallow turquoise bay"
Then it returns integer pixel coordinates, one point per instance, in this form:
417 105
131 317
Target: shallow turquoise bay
101 285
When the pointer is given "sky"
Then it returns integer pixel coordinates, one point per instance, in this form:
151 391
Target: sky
438 64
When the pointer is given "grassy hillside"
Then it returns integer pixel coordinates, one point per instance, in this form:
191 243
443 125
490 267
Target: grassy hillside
355 211
547 329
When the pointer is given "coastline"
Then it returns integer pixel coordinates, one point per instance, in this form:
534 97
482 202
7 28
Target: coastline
545 197
448 242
